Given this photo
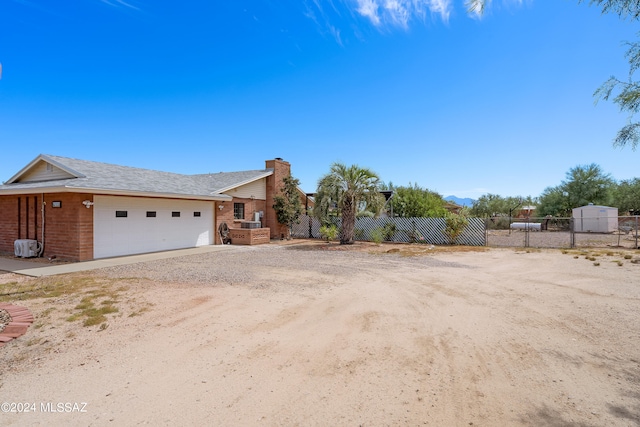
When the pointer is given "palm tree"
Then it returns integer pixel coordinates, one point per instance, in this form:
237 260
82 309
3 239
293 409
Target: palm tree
343 191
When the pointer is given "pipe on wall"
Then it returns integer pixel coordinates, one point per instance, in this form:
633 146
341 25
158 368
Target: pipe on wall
42 228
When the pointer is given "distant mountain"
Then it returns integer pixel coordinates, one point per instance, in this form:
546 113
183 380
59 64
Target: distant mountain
458 201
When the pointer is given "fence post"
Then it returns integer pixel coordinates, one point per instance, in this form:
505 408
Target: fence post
636 231
486 231
572 234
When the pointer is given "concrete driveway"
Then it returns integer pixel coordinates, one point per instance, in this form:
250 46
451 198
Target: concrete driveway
39 269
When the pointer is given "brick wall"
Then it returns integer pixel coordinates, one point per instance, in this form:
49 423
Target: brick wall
8 223
281 169
68 230
20 218
226 213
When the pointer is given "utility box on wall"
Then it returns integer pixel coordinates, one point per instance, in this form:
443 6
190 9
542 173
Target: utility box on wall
595 219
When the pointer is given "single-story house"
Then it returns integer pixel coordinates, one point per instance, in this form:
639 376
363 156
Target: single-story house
82 210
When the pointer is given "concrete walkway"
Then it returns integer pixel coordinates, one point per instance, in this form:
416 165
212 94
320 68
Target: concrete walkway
39 269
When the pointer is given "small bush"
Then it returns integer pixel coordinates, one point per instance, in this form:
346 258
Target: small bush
388 231
377 235
329 232
455 225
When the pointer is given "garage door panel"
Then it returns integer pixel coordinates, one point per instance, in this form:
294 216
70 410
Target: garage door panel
138 233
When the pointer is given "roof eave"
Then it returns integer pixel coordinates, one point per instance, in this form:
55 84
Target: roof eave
112 192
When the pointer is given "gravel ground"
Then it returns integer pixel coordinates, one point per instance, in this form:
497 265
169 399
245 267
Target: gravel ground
4 319
241 265
559 239
306 333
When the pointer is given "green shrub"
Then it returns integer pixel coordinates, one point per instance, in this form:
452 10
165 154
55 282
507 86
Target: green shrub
388 231
455 225
329 232
377 235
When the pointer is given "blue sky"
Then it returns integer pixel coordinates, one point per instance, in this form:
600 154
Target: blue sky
417 90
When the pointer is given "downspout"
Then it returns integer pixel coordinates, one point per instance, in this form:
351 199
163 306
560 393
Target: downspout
42 228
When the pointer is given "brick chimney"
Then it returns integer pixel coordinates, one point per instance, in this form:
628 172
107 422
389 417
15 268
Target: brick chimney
281 169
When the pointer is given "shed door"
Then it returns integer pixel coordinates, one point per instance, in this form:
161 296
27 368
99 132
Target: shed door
133 225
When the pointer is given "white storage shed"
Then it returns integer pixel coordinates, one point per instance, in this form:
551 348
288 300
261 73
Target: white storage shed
595 219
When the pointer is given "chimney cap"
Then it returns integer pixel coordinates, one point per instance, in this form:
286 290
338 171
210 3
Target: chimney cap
278 158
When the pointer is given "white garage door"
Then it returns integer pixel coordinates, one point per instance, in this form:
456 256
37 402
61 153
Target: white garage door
133 225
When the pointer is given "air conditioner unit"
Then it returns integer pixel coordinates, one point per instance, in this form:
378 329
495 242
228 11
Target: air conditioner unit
27 248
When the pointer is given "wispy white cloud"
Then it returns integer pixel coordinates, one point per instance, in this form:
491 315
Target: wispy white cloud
120 3
369 9
441 7
335 32
400 12
397 11
318 15
343 19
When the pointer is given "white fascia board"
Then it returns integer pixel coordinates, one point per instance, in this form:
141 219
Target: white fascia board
214 197
35 190
102 191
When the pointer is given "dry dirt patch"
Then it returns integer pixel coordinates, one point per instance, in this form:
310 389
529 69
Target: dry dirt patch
306 333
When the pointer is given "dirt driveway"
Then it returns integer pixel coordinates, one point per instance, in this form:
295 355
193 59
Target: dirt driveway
302 335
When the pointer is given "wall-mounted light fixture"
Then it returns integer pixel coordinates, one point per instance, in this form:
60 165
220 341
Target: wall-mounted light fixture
220 207
87 203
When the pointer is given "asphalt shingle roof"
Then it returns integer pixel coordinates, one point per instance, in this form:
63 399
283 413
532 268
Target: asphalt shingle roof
114 178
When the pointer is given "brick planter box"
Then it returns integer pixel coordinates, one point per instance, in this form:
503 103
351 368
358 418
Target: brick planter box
249 236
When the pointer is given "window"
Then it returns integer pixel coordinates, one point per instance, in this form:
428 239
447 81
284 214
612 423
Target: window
121 214
175 214
151 214
196 214
238 211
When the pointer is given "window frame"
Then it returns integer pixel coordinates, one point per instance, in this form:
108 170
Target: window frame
238 210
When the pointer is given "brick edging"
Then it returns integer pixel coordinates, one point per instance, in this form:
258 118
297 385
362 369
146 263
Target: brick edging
21 319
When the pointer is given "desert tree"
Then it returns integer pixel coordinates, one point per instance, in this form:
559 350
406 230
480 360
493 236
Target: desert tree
414 201
626 196
287 204
584 184
490 205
